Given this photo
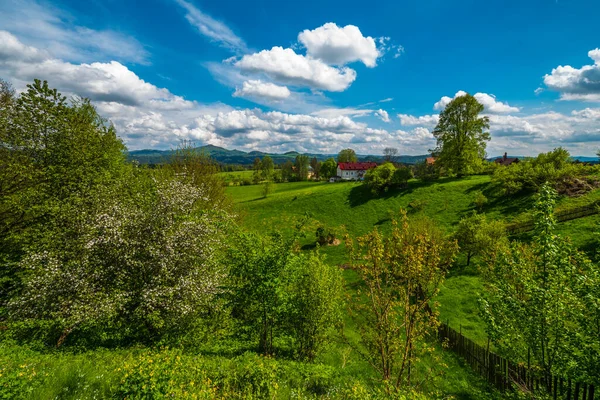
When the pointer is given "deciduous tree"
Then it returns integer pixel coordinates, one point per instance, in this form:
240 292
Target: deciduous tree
461 136
329 168
347 155
390 154
401 275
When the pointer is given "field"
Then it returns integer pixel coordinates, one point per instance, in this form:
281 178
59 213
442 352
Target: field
349 208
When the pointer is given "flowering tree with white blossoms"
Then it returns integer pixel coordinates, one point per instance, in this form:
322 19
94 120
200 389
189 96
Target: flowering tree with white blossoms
141 257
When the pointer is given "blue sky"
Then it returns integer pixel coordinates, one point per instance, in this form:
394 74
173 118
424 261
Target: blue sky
316 76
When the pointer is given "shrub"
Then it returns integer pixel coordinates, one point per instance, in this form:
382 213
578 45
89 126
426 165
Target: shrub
480 201
553 167
402 176
144 263
324 236
379 179
426 172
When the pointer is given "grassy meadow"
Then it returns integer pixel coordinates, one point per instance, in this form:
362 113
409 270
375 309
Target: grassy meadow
350 208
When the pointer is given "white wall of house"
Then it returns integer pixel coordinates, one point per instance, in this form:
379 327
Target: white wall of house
348 175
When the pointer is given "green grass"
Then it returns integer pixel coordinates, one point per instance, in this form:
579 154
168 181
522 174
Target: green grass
235 176
348 207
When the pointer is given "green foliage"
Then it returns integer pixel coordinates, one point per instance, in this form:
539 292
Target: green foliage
316 166
426 172
267 188
401 176
380 179
313 302
478 236
461 136
401 275
287 171
529 175
195 167
53 155
325 236
542 299
329 168
275 293
144 263
301 164
347 155
480 201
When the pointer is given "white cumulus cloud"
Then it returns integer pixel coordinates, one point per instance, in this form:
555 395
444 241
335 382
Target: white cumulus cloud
577 83
424 120
286 67
383 115
489 102
339 45
266 90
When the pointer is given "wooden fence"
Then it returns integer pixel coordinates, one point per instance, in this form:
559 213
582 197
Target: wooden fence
561 216
506 375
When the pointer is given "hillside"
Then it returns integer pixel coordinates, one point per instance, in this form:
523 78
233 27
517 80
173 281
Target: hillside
347 207
239 157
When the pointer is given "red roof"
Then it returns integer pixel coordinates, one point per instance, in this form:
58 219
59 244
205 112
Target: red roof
430 160
356 166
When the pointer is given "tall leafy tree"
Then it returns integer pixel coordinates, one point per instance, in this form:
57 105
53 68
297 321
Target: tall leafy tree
347 155
301 164
461 136
329 168
316 166
52 153
287 171
267 168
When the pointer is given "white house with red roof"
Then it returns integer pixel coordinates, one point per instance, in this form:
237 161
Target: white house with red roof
354 170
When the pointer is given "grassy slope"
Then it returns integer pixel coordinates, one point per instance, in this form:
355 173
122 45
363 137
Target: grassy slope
349 208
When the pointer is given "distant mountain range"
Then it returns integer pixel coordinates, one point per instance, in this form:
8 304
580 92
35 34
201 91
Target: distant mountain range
239 157
225 156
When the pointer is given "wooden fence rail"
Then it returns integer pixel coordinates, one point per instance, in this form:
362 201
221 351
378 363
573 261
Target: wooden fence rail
561 216
506 375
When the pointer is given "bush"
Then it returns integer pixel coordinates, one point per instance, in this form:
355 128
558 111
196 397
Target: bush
480 201
274 294
426 172
553 167
402 176
143 263
325 237
379 179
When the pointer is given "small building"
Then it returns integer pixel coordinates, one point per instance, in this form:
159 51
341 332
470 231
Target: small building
430 160
505 160
354 170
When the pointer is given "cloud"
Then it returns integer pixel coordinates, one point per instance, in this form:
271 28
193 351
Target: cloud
489 102
214 30
429 121
383 115
579 131
333 112
286 67
577 84
267 90
338 46
417 141
54 30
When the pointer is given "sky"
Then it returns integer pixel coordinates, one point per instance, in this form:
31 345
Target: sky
316 76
